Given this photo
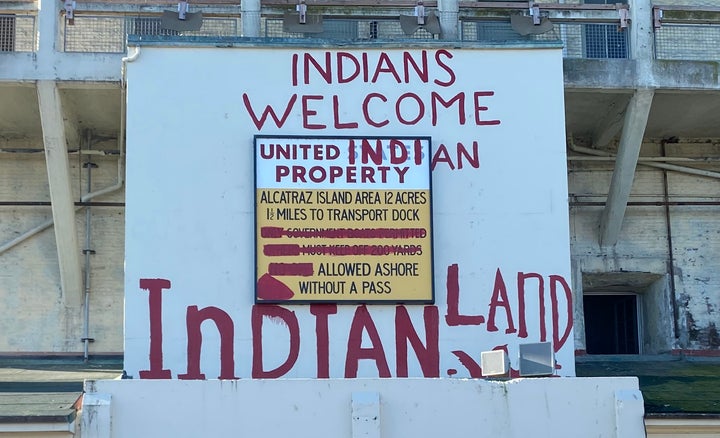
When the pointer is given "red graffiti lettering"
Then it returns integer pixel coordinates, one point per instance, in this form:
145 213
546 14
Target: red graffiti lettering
521 301
346 67
428 355
363 338
500 299
453 316
442 155
268 111
155 286
362 322
407 109
559 341
336 116
226 328
322 313
480 108
307 112
290 320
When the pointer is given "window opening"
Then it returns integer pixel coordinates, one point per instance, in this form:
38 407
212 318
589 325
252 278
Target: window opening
604 40
150 26
7 33
611 324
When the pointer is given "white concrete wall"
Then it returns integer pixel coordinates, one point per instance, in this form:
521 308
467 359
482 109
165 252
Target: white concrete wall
499 225
522 408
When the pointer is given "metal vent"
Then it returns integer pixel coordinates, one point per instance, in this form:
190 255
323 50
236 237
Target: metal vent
494 363
537 359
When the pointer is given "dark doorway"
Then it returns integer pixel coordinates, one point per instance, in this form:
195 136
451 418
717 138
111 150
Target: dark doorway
611 324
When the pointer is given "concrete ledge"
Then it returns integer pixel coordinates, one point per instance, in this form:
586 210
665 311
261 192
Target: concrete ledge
543 407
622 74
22 407
616 74
684 75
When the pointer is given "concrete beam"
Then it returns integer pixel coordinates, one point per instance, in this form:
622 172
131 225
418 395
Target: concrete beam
71 121
610 125
63 209
636 117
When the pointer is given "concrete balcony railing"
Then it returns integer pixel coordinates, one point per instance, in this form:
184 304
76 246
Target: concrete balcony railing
587 30
687 33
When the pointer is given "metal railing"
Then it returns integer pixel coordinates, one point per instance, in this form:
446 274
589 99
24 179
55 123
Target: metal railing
688 42
355 29
108 33
17 33
580 40
587 31
687 33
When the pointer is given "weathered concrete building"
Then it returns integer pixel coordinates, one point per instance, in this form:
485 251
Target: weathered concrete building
641 103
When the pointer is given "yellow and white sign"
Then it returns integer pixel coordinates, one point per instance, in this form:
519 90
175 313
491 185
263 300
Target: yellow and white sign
343 219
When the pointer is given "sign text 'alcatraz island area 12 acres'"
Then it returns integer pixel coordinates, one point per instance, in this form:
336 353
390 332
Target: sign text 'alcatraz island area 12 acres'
343 219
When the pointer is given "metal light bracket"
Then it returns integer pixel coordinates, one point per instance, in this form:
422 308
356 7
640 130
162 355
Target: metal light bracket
534 10
624 14
657 17
301 9
70 6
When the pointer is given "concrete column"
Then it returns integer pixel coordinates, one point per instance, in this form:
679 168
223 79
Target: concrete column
48 20
642 41
250 13
578 307
634 123
449 25
636 117
96 421
61 198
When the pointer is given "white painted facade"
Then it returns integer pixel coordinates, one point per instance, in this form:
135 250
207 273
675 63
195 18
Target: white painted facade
501 267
